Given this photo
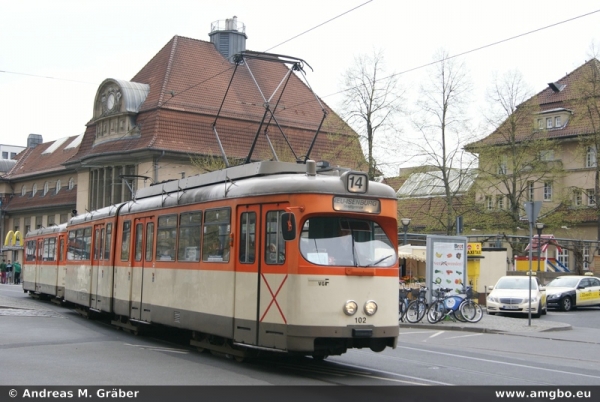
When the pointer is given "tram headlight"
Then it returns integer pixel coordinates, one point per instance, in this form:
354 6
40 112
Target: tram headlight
370 307
350 307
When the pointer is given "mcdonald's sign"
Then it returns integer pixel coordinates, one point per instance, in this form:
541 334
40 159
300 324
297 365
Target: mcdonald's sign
13 239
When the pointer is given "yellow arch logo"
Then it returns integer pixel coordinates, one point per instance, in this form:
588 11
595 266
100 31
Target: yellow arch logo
13 239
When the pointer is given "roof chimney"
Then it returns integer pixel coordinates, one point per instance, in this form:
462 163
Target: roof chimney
33 140
228 36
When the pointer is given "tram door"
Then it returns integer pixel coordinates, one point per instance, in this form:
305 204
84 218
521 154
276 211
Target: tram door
38 265
99 271
143 233
261 273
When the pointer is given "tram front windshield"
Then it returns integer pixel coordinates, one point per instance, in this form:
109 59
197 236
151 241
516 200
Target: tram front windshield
346 242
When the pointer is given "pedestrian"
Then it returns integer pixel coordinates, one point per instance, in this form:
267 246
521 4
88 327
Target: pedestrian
17 269
9 268
3 271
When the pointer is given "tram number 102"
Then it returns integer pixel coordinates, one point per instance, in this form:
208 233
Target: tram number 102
360 320
357 182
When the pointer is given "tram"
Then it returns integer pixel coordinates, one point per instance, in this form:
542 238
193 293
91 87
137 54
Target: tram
263 257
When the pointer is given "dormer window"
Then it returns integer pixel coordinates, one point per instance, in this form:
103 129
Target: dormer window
557 122
549 122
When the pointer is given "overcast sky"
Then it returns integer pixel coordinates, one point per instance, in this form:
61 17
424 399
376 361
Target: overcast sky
54 54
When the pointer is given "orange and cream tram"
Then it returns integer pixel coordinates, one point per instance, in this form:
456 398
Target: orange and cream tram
267 256
44 265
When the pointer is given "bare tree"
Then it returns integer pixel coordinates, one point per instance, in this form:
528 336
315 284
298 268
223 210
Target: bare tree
372 99
516 162
589 103
441 120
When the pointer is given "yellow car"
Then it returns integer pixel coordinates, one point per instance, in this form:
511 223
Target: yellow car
569 291
510 295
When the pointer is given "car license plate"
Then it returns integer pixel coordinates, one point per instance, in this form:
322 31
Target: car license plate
510 307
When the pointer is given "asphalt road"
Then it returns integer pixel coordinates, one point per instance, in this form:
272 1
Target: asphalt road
45 344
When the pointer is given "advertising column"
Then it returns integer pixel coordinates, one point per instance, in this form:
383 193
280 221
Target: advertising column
447 263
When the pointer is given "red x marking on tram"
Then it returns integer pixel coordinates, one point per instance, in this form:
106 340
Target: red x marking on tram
274 298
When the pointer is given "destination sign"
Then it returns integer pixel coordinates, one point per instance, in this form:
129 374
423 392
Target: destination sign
356 205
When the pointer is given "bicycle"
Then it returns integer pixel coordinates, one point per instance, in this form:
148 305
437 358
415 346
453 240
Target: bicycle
445 306
470 309
418 307
403 303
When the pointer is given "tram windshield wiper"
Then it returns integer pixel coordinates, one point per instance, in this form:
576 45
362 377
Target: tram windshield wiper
379 260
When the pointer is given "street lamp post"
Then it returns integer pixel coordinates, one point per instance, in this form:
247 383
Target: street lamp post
405 223
539 226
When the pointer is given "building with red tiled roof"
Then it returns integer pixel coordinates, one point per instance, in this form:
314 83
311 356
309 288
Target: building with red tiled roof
546 151
194 99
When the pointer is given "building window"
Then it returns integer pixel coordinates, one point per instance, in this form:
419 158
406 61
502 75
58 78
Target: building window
502 166
577 198
34 189
590 157
548 191
557 122
51 221
530 191
45 188
549 122
13 155
64 218
71 183
586 258
58 186
4 155
562 256
500 201
591 196
489 203
23 189
540 124
547 155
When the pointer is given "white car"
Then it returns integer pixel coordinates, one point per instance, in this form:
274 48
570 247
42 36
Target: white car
511 295
566 292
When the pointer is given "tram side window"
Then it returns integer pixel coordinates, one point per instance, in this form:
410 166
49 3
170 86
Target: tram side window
79 244
107 241
149 240
166 238
139 238
49 252
190 225
126 241
61 249
275 245
98 244
215 242
30 251
87 242
247 237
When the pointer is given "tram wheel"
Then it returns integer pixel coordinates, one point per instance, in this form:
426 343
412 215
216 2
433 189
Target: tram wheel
319 358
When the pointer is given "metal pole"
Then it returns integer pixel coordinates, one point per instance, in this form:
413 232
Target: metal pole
539 231
405 234
530 258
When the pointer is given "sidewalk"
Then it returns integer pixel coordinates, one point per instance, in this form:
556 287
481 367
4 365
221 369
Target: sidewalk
494 324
